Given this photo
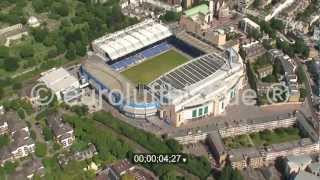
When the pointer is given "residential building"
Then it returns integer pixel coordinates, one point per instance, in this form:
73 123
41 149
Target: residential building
265 71
3 126
316 33
246 157
247 25
21 145
289 67
295 164
124 167
314 168
298 147
242 6
217 147
235 128
86 154
29 170
12 33
63 132
253 50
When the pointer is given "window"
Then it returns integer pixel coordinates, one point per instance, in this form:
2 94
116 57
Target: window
194 113
200 111
206 110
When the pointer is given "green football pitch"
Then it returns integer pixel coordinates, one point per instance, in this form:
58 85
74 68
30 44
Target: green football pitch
152 68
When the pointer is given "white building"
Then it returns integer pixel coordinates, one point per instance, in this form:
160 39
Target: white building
316 33
65 86
247 25
33 22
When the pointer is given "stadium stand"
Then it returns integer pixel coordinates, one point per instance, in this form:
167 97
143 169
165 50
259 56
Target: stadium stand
121 43
141 56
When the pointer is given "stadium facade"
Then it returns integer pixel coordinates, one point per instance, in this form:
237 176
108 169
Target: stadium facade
202 86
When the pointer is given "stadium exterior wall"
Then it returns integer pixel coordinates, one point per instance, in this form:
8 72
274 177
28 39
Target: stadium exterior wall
214 103
130 109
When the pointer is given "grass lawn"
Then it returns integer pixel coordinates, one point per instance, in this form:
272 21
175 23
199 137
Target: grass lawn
266 137
279 135
238 141
154 67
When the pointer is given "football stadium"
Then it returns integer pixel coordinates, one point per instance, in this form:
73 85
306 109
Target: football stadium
148 71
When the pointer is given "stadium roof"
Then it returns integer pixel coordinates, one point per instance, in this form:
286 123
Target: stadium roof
192 72
203 76
203 8
133 38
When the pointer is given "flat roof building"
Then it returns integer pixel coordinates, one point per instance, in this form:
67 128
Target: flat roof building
65 86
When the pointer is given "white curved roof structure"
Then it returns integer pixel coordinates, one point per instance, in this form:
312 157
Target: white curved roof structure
133 38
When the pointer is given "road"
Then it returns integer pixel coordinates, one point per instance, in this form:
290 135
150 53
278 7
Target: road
235 112
309 99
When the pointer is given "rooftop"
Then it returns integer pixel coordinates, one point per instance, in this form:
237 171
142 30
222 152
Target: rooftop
59 128
303 175
121 166
202 76
203 8
58 79
132 38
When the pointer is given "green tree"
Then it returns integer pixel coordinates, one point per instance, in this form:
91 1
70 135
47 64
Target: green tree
41 149
256 3
61 8
26 51
4 52
170 16
81 49
39 34
10 64
1 93
4 140
47 133
71 52
169 175
10 167
277 24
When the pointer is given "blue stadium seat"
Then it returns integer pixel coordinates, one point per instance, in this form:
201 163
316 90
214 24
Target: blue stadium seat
145 54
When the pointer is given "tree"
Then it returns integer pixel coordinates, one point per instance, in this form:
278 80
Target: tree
169 175
47 133
71 52
127 177
39 34
277 24
10 167
256 3
230 174
61 9
41 149
10 64
26 51
4 52
174 145
170 16
4 140
1 93
80 110
81 49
